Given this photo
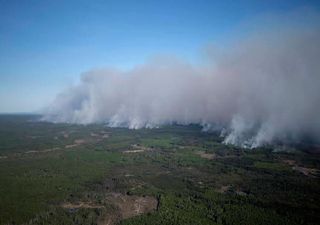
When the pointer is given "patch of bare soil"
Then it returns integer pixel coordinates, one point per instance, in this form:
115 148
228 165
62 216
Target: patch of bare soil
224 189
289 162
79 205
76 143
100 136
65 134
92 134
310 172
130 205
205 155
108 219
228 188
137 148
105 136
43 151
116 207
134 151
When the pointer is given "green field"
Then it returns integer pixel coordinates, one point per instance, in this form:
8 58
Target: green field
93 174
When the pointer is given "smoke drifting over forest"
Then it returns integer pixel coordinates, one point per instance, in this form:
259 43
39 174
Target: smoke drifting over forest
263 88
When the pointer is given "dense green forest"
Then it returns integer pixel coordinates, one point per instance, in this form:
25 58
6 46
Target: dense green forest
92 174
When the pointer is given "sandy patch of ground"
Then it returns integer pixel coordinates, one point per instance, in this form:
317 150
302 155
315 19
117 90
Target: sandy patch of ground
311 172
76 143
43 151
130 206
65 135
289 162
205 155
137 149
128 175
108 220
105 136
92 134
223 189
125 206
102 135
134 151
228 188
79 141
78 205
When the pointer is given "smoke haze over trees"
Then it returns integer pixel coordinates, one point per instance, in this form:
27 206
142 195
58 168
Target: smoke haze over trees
261 88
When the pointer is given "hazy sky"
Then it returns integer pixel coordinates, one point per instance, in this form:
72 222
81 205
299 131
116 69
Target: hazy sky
46 45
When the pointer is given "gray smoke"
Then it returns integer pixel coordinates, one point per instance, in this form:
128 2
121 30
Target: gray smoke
261 89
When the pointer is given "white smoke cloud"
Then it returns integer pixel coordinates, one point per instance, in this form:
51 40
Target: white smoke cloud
261 89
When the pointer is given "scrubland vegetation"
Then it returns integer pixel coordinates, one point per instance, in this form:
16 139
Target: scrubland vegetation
76 174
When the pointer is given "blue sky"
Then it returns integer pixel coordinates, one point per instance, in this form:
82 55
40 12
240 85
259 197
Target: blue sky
46 45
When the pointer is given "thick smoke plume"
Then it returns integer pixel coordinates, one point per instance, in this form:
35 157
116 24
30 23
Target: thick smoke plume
262 89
